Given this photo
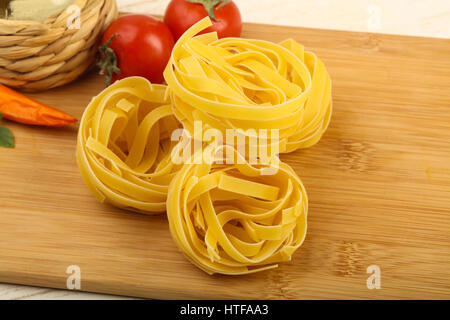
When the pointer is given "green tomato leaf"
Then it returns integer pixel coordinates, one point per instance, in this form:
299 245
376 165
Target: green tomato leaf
210 4
6 138
223 3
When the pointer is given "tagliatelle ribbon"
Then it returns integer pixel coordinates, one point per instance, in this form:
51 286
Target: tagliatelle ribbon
233 219
228 218
243 84
124 147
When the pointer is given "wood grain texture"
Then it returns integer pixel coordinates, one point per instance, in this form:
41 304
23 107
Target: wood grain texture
378 183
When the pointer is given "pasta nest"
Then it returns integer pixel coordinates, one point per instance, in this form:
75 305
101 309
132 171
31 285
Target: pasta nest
235 219
244 84
124 146
228 217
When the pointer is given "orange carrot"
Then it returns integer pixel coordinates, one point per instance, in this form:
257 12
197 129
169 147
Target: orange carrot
16 107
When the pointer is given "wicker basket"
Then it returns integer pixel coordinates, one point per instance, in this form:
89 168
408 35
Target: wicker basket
36 56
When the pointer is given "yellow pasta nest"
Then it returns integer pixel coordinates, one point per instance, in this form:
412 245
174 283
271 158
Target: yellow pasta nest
124 147
235 83
229 218
234 219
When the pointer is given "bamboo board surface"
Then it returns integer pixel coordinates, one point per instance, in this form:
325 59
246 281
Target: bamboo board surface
378 184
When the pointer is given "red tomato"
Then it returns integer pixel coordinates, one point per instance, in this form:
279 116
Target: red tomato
142 45
182 14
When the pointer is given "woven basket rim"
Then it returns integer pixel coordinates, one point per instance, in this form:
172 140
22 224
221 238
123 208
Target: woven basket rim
40 55
22 21
47 22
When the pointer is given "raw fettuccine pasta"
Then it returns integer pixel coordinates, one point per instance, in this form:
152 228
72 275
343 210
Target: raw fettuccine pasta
228 218
243 84
124 147
233 219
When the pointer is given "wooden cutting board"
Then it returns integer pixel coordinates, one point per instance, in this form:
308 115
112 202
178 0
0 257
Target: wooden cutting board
378 182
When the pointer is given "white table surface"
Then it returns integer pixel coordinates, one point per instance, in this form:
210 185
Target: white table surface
428 18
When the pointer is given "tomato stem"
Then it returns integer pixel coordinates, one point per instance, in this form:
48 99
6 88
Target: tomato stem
210 5
108 60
